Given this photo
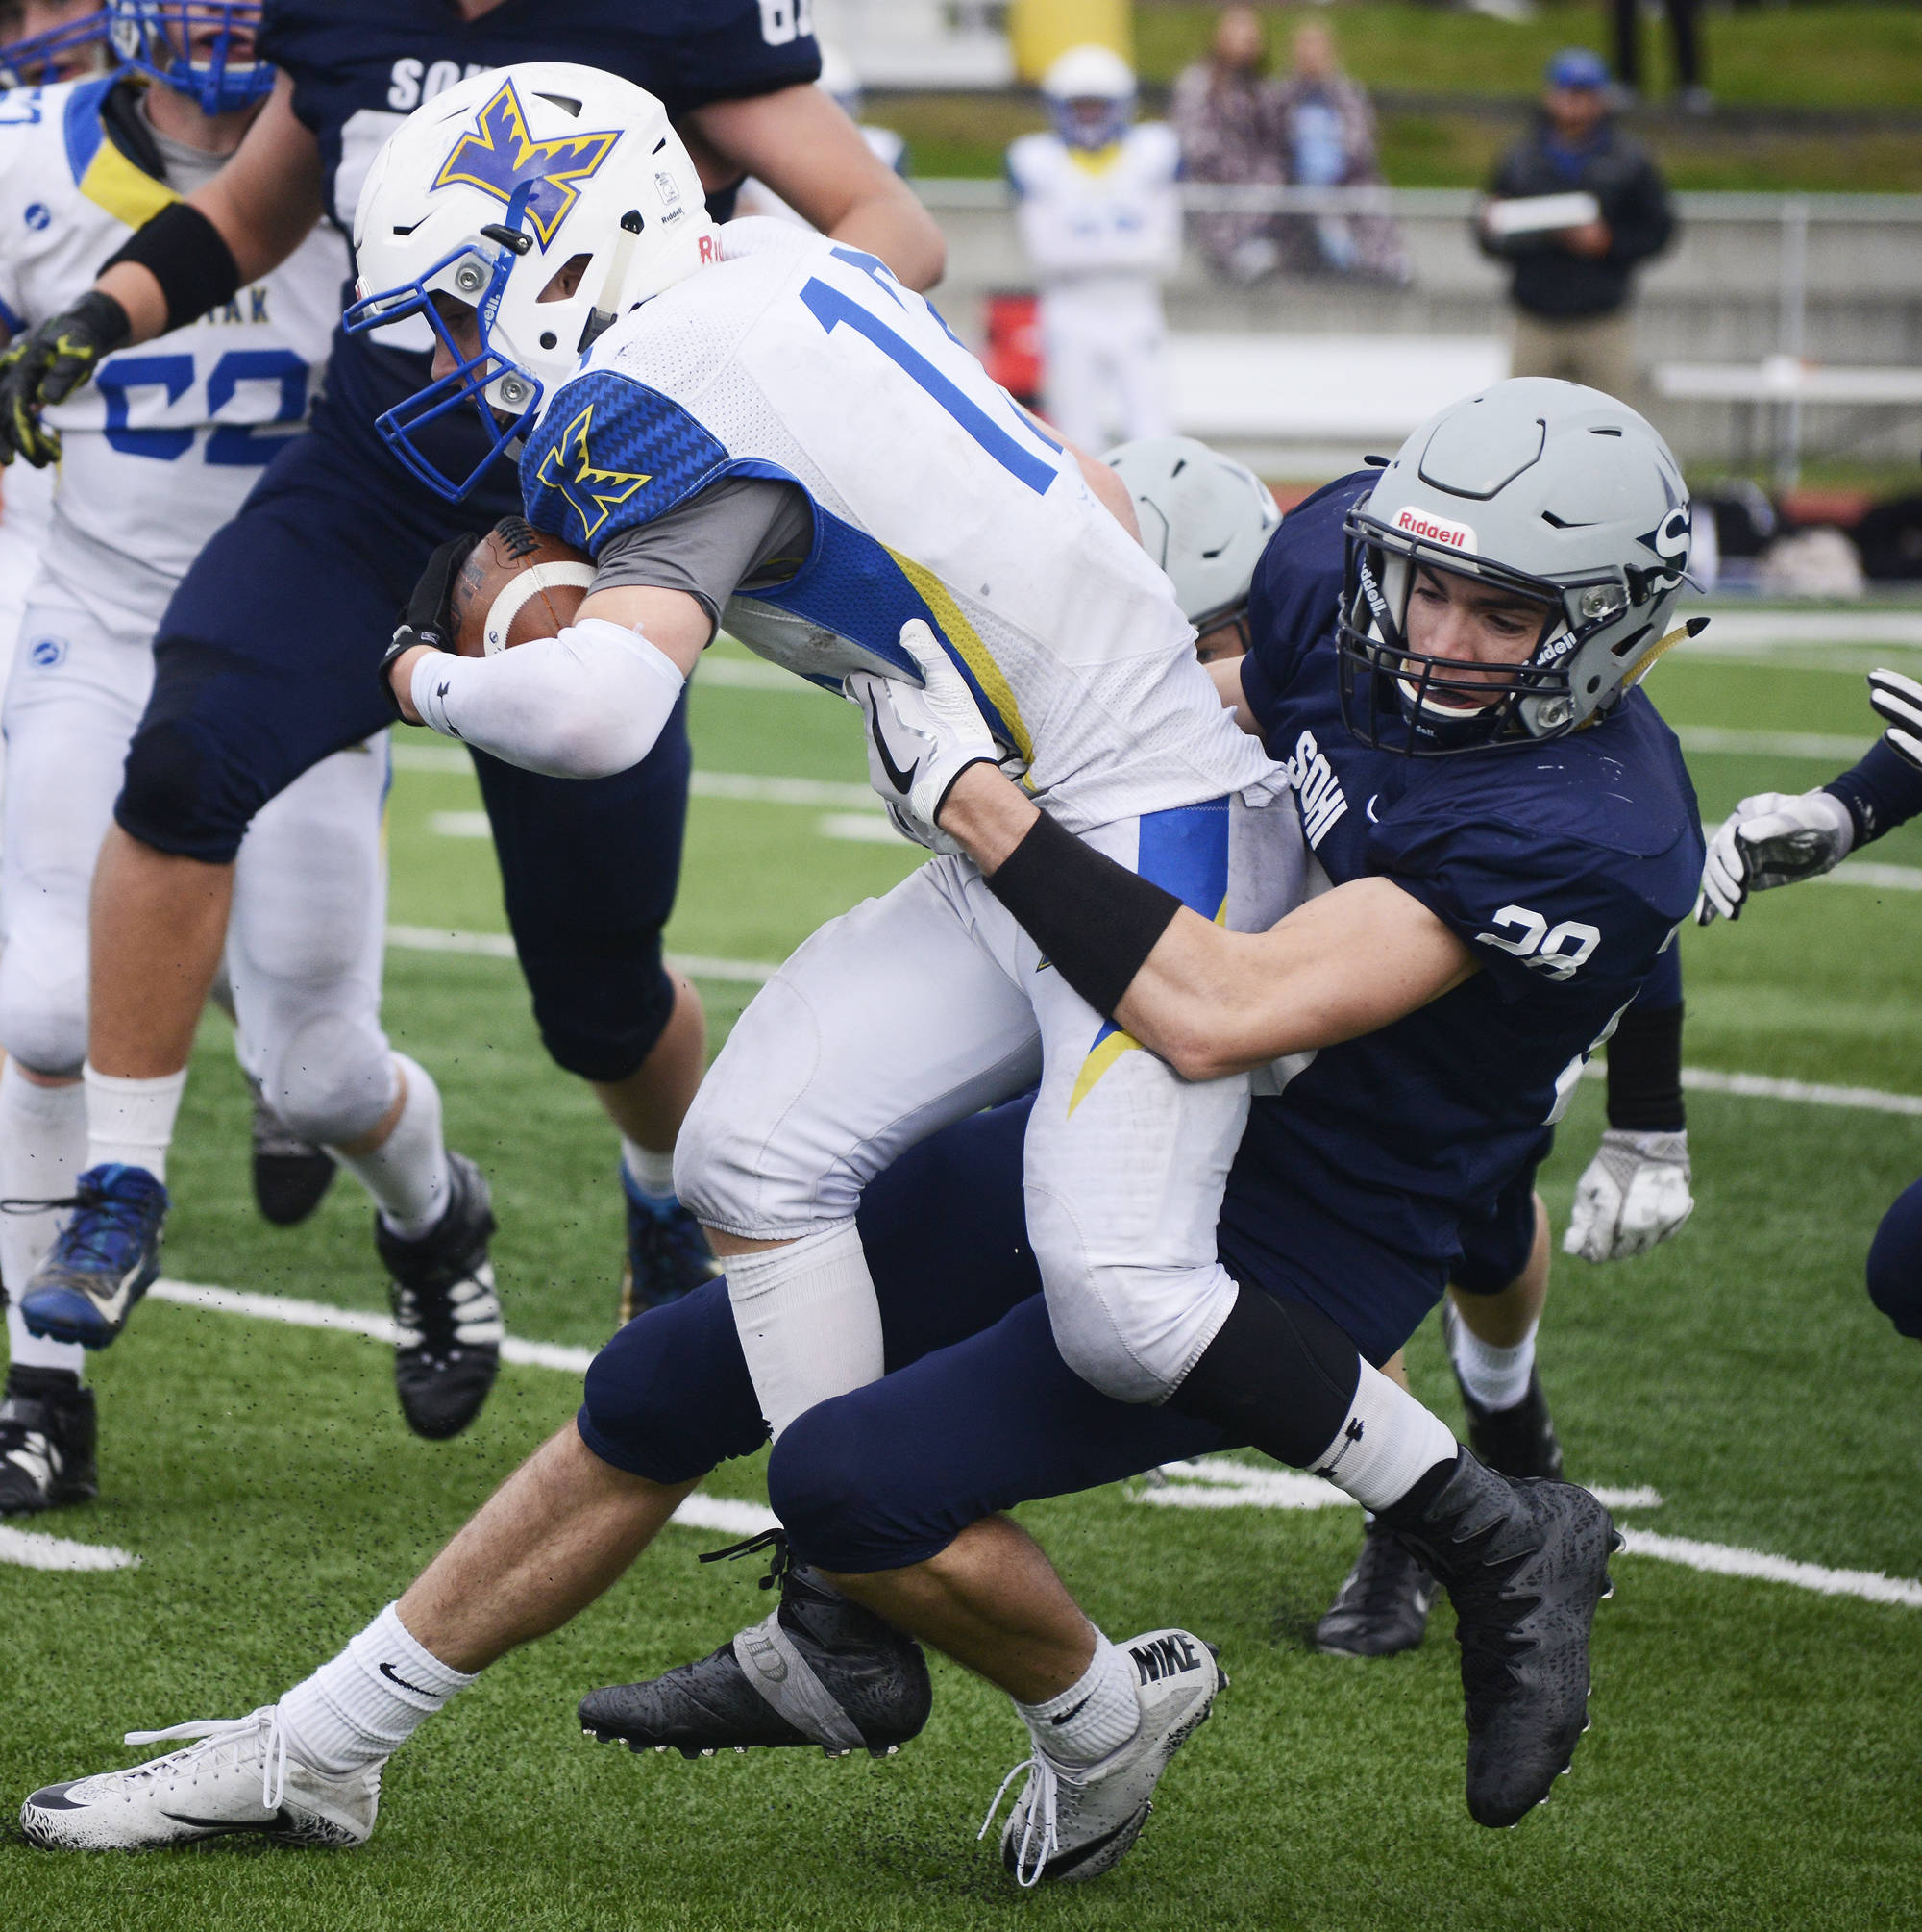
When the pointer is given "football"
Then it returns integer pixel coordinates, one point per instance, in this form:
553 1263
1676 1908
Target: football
516 583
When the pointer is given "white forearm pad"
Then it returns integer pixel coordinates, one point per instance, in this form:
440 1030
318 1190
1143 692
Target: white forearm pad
584 705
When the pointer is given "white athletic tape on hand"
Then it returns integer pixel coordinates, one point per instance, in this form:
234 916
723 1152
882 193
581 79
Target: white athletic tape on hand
784 1677
529 583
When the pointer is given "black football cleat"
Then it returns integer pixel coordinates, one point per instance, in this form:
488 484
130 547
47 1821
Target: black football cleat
668 1255
291 1175
821 1671
1382 1608
48 1432
1517 1441
448 1349
1525 1563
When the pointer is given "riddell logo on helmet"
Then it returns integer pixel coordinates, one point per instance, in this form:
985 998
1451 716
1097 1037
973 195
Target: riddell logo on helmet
1436 529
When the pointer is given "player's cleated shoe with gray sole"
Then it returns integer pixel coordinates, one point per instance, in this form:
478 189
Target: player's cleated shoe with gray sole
820 1671
47 1434
447 1317
1382 1606
291 1175
1076 1821
1525 1563
102 1261
239 1777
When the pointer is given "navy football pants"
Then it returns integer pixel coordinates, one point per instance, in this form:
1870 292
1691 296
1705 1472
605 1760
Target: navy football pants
266 664
978 1411
1895 1263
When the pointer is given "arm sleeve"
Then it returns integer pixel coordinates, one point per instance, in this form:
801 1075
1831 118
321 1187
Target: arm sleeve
1881 792
585 704
741 530
1645 1055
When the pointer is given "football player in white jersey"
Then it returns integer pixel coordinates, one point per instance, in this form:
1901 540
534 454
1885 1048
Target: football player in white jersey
768 422
157 456
1101 222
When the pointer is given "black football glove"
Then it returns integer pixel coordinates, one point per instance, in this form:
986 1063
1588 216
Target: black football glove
426 620
46 365
1898 703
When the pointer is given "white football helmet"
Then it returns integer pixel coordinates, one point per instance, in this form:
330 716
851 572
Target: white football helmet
1090 93
482 198
1203 518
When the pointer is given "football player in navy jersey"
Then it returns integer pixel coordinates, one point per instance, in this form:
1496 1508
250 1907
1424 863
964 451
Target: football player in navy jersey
1407 1082
1779 838
266 662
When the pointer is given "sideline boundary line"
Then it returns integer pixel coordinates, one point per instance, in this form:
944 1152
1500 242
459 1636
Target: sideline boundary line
1208 1482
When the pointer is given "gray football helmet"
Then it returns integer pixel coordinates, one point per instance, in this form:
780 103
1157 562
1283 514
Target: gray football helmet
1203 518
1555 493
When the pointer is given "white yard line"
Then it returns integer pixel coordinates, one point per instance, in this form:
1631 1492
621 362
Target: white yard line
1816 745
501 946
1746 629
1208 1482
32 1549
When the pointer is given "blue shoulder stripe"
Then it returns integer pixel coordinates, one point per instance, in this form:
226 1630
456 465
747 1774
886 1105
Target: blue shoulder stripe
82 124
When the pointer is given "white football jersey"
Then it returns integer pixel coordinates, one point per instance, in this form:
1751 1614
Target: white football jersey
934 496
1111 212
162 446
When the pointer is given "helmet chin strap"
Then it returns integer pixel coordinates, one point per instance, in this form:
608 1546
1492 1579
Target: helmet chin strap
1691 627
601 316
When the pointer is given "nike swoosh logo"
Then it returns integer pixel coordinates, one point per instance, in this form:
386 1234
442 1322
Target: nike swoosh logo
1068 1716
393 1676
281 1817
902 780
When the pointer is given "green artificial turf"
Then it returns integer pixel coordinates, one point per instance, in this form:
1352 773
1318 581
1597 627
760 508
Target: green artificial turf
1755 1760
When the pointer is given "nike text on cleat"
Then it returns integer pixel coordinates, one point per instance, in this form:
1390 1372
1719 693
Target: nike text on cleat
668 1255
821 1671
1076 1821
46 1442
1517 1441
103 1261
238 1777
446 1347
1382 1608
291 1175
1525 1563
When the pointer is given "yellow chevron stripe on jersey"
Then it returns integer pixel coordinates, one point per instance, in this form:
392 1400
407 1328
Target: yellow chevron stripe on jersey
974 654
128 195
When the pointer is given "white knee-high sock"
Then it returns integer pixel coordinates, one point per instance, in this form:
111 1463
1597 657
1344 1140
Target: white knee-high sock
131 1121
369 1701
808 1321
406 1174
1496 1378
1387 1445
42 1146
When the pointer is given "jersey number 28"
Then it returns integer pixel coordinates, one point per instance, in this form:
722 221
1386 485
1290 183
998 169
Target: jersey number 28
1559 951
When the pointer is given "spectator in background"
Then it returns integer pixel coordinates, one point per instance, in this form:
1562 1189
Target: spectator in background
1573 278
1685 37
1328 138
1227 115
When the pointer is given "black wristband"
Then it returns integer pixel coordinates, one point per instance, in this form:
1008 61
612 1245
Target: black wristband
187 256
1645 1072
1094 920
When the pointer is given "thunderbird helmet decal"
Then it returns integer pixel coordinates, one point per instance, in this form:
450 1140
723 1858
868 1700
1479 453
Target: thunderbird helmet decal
499 156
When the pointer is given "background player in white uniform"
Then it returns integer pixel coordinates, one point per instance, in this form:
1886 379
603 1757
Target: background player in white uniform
933 507
1101 222
157 456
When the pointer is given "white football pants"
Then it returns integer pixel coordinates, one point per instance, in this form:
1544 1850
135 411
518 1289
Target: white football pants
923 1006
309 896
1106 377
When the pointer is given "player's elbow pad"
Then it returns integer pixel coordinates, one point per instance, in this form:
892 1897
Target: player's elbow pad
584 705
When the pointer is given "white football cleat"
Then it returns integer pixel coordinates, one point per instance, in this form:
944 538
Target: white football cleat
239 1778
1076 1822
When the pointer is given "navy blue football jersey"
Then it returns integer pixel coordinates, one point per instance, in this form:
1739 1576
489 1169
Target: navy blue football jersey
1566 867
359 68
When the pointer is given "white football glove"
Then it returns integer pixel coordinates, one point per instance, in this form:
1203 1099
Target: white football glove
1774 838
1634 1194
920 738
1898 703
